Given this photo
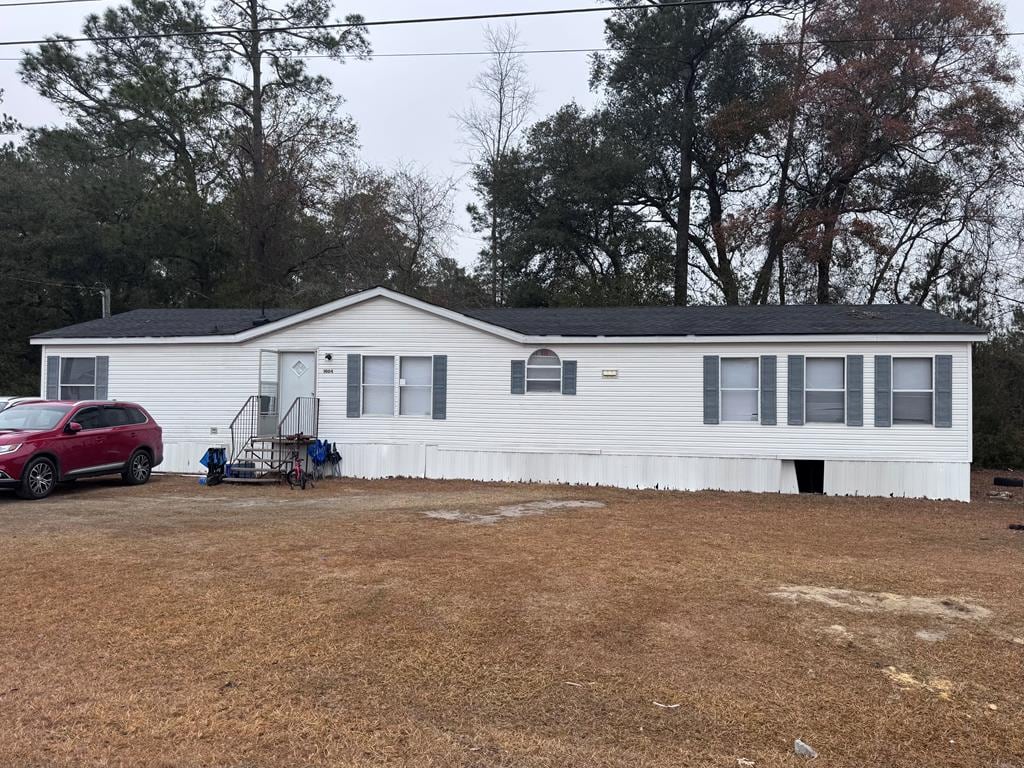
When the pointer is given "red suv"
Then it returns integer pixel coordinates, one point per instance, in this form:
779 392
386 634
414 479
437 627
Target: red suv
46 442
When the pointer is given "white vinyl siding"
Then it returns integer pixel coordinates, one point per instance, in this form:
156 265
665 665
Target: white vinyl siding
825 390
913 390
740 389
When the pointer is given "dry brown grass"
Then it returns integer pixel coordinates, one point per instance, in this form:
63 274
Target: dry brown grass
178 626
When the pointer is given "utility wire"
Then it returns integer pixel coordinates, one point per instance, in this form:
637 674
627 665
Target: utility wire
44 2
477 17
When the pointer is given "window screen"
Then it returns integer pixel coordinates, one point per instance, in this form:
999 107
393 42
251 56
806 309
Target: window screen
912 390
739 387
825 390
78 378
544 372
379 386
415 382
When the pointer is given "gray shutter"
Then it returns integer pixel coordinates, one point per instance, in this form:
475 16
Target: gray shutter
855 390
53 378
883 390
943 390
769 378
711 414
440 409
795 405
102 377
518 377
354 390
568 377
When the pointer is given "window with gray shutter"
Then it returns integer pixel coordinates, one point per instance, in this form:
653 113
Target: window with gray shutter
943 390
518 377
568 377
769 378
795 391
440 410
855 390
883 390
354 387
711 389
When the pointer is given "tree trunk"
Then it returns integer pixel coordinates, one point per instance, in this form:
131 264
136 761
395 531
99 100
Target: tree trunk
778 237
257 223
682 256
828 241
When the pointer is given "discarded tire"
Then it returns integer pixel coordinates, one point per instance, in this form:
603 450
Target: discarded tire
1009 482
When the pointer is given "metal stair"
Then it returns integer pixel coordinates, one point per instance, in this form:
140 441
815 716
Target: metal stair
264 458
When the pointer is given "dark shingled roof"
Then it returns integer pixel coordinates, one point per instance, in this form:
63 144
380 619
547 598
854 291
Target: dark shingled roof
163 323
794 320
576 321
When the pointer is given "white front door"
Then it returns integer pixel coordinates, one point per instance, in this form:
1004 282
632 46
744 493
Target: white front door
298 378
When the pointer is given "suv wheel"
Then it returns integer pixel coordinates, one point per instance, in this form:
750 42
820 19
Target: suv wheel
139 468
38 479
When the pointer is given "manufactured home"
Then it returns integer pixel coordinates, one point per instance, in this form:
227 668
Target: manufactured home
872 400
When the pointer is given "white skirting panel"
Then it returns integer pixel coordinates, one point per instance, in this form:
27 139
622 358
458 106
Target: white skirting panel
912 479
677 473
932 480
182 456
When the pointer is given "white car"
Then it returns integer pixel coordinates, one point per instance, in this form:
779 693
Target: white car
6 401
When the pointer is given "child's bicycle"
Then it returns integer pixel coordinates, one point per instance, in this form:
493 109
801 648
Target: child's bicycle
297 476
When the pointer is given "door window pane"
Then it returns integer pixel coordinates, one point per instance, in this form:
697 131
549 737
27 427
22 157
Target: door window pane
89 418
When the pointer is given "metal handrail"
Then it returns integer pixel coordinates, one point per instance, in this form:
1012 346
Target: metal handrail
302 418
245 426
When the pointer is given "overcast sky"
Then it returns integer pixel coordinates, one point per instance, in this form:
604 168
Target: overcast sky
403 106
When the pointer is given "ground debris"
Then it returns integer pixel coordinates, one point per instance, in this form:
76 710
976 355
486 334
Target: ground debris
931 635
804 750
887 602
527 509
937 685
1003 495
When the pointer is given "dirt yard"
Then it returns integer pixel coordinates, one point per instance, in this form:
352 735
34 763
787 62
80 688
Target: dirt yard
414 623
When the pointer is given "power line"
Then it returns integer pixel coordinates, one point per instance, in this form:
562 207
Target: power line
471 17
44 2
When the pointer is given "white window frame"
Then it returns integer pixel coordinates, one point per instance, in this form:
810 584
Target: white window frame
722 390
400 386
846 385
526 378
396 388
60 378
363 385
893 391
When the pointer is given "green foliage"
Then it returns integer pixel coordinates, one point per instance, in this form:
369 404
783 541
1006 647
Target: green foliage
999 402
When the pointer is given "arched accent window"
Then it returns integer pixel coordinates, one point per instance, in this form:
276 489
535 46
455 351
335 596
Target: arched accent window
544 372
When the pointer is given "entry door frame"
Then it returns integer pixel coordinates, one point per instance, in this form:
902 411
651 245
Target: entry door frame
282 406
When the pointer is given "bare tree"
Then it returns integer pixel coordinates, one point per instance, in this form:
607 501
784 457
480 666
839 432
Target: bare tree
422 210
493 125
